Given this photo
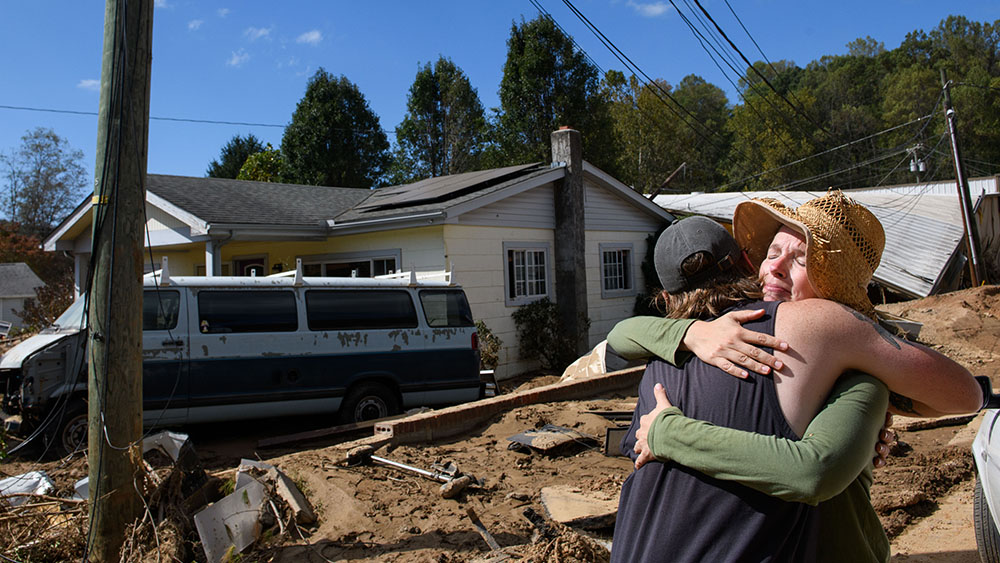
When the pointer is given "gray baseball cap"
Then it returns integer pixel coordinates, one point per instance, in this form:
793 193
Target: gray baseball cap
685 238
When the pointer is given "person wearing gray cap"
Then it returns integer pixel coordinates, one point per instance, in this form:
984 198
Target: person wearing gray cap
734 522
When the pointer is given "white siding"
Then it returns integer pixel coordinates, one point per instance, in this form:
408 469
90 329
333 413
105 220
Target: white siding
605 211
605 313
477 253
158 220
533 209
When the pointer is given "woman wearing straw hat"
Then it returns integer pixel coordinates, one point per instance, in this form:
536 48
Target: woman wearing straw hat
805 254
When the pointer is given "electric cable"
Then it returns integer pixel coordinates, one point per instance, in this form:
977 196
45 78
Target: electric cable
796 109
645 79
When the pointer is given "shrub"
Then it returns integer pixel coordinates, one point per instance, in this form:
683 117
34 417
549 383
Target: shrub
541 335
489 346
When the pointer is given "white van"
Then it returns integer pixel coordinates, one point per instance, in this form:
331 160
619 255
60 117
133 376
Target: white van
231 348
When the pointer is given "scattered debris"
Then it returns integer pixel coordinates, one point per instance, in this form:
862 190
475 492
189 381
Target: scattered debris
454 482
907 424
494 546
572 507
550 439
232 524
20 489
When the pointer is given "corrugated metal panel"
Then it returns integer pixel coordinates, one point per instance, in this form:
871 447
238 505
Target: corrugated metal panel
922 231
977 186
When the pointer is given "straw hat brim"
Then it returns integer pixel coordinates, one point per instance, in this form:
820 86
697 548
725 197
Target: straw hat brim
755 223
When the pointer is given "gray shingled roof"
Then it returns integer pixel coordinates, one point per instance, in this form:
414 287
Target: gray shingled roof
17 280
219 200
451 190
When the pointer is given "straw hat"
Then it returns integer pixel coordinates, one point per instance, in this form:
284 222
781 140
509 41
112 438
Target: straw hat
844 242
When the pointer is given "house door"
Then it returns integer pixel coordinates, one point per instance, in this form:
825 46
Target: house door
249 266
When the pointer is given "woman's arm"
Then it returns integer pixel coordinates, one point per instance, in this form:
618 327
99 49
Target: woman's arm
835 448
723 342
649 337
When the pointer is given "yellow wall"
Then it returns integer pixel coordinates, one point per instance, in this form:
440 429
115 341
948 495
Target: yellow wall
420 247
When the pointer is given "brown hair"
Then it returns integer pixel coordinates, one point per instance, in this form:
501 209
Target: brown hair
713 296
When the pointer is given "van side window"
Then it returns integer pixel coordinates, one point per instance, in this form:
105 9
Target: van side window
446 308
355 309
160 309
247 311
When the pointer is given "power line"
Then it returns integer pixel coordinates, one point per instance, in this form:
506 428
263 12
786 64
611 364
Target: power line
702 40
648 82
795 108
845 145
181 119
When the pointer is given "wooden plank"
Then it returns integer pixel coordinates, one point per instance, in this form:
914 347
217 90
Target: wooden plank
333 431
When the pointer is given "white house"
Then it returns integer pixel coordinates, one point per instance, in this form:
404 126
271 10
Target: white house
509 235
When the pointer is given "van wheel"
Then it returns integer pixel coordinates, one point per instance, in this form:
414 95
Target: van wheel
987 538
70 434
368 401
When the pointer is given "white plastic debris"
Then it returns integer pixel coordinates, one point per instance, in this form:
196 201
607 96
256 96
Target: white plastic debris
231 523
170 443
32 483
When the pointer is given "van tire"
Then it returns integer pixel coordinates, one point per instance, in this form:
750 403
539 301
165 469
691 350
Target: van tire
987 537
69 435
368 401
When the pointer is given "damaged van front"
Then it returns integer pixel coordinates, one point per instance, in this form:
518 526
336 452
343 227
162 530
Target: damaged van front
46 370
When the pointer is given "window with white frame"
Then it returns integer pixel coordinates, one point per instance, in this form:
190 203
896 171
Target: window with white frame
616 270
525 272
360 265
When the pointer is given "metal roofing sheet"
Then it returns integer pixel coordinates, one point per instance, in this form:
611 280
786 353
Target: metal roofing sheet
921 231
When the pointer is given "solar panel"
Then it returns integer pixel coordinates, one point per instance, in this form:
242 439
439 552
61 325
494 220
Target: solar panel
440 188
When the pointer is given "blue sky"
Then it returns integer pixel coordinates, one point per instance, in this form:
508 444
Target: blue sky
249 61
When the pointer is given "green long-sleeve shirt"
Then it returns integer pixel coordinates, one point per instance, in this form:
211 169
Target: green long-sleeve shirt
830 465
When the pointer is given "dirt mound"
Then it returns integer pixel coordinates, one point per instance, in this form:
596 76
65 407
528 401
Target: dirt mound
964 325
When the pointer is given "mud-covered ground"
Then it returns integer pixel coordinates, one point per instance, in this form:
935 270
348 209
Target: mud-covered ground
375 513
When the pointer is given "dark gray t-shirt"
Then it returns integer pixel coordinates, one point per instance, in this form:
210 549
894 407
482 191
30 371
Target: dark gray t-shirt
668 512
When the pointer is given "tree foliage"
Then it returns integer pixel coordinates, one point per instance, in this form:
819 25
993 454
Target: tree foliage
334 138
268 165
546 84
444 129
45 181
234 154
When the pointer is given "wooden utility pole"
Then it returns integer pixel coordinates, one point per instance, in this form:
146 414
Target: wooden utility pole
115 308
976 269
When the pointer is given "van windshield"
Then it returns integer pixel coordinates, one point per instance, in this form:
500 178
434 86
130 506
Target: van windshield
72 317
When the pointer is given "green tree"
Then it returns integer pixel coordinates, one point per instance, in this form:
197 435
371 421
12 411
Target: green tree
267 165
705 151
444 128
45 181
334 138
547 83
233 155
645 131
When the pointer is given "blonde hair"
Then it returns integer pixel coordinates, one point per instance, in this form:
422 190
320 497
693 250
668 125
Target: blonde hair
710 298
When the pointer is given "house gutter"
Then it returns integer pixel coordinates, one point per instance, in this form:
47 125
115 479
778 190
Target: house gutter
334 226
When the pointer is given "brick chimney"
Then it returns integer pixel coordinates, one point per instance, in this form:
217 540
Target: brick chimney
570 236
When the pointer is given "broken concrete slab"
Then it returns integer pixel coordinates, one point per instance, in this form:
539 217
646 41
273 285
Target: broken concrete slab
575 508
283 486
233 523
